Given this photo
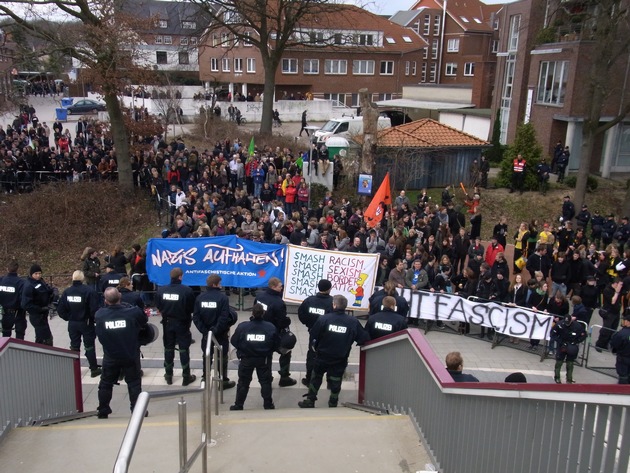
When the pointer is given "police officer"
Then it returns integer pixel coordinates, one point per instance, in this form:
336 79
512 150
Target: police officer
212 313
620 343
255 341
77 305
276 313
117 328
35 298
11 288
386 321
389 289
309 311
176 303
332 337
110 278
127 295
609 312
569 333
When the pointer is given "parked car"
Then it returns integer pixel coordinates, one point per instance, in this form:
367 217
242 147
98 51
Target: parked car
84 106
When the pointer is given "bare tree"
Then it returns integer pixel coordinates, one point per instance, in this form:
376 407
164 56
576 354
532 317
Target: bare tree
101 37
167 99
273 26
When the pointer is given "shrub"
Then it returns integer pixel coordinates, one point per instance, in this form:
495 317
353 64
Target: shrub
526 144
591 182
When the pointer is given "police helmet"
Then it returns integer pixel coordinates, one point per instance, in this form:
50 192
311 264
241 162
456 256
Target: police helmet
287 342
148 334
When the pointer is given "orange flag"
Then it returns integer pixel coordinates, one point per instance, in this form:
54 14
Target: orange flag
374 213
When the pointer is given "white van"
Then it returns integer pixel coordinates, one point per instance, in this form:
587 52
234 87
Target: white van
347 127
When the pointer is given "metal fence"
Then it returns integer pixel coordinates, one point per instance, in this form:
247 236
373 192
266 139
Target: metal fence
497 427
38 383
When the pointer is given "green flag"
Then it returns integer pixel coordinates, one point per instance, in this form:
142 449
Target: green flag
251 147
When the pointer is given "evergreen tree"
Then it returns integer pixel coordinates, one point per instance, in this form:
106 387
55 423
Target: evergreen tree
525 143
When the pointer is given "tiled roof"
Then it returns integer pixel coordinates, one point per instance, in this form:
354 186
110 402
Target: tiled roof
470 15
426 133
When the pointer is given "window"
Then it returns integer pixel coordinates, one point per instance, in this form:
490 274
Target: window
453 45
364 67
168 40
427 24
225 64
552 82
416 27
183 57
338 38
407 68
434 49
225 39
315 37
159 40
214 64
336 66
425 53
162 23
451 69
436 25
193 41
160 57
366 40
407 39
423 72
390 40
237 40
238 64
246 40
387 68
469 69
311 66
515 24
341 98
183 41
251 64
414 68
495 45
464 19
432 72
189 25
215 40
289 66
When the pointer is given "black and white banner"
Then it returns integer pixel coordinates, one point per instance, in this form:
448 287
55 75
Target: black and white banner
512 321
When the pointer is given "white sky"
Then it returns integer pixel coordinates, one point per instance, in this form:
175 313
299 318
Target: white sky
389 7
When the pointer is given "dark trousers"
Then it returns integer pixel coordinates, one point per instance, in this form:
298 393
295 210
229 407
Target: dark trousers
611 322
112 369
246 368
285 362
622 365
83 329
335 370
39 321
225 348
518 178
177 333
14 318
310 362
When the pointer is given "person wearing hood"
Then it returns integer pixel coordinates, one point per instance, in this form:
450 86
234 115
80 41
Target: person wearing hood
35 299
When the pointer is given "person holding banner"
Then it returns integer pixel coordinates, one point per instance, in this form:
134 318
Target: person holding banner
276 313
309 311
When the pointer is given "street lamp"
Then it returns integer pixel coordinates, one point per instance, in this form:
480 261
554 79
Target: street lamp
310 130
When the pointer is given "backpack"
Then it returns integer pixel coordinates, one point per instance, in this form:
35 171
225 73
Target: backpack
233 315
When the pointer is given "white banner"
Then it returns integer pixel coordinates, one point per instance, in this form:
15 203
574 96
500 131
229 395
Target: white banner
351 274
512 321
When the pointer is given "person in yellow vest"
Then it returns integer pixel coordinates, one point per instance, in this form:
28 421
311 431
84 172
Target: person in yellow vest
546 237
520 245
518 173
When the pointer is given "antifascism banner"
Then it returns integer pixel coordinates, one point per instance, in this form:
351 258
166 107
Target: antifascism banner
513 321
239 262
351 274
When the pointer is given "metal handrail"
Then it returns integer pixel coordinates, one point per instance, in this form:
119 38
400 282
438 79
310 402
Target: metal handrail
128 445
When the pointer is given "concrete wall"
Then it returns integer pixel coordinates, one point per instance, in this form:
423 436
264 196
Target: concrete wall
436 93
471 124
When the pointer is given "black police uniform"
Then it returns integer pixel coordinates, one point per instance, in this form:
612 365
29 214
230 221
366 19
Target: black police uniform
11 288
376 302
620 343
309 311
77 305
176 303
609 313
255 341
110 280
569 334
332 337
131 297
276 313
117 328
212 313
35 298
385 322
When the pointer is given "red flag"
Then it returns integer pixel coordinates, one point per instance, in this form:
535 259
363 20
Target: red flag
374 213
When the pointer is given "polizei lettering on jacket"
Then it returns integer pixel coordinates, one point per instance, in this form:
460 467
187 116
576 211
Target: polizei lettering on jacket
75 299
254 337
337 328
114 324
7 289
226 255
382 326
170 297
208 305
315 310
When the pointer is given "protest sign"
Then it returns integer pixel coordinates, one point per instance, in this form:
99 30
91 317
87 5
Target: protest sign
239 262
351 274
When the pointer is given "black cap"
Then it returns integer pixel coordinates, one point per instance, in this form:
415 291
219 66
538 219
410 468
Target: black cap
110 266
324 285
591 278
35 269
624 218
626 317
585 206
567 197
517 377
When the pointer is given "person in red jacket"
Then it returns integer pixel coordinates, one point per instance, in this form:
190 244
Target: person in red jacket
492 250
290 196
